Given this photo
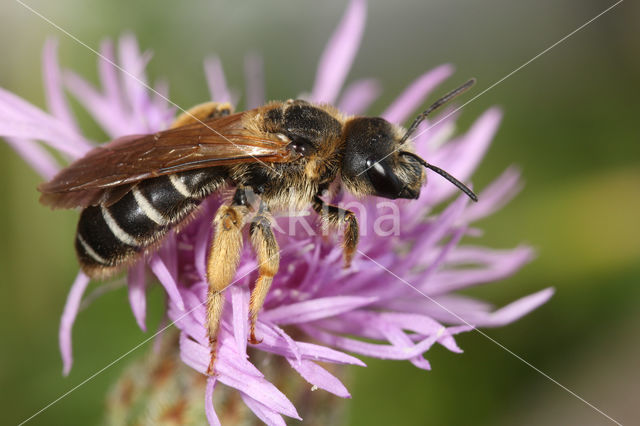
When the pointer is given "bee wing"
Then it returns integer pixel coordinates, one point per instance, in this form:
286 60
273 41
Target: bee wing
107 171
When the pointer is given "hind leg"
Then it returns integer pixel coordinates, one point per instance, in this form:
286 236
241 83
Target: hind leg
202 112
221 266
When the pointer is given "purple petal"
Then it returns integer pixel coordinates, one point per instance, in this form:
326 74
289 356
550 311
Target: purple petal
371 349
318 308
109 78
415 95
324 354
455 309
263 412
275 342
160 113
133 77
167 280
320 377
240 303
216 80
109 117
460 303
254 77
462 158
449 342
513 311
432 136
497 265
20 119
358 96
480 255
293 346
37 157
384 325
56 101
210 411
68 318
495 196
455 238
337 57
444 311
398 338
168 253
137 297
362 323
29 129
423 325
13 106
441 226
201 246
262 391
161 94
237 373
440 308
417 323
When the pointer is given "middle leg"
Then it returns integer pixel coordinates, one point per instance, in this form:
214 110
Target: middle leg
268 257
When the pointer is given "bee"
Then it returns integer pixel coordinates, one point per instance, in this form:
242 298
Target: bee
134 190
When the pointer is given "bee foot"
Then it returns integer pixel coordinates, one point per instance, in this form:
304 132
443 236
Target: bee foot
211 371
253 340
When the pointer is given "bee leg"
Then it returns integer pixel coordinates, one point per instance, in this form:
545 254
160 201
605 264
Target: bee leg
268 255
221 265
203 112
335 216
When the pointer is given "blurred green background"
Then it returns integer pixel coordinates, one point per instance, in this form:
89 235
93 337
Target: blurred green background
571 124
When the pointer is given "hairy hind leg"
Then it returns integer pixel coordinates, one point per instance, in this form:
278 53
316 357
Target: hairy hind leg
203 112
268 256
221 267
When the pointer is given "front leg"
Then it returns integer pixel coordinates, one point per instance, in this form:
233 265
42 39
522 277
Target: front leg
336 216
222 263
268 257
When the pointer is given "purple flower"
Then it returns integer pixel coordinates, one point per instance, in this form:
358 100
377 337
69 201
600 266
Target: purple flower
312 293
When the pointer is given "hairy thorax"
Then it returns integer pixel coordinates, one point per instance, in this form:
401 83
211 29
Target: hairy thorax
287 186
314 135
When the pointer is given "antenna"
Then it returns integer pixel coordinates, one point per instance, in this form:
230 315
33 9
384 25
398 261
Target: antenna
437 104
442 173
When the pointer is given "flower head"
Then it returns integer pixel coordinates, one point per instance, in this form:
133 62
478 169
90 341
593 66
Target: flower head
367 309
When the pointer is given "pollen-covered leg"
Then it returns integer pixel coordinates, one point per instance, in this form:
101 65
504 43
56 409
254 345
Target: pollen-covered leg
268 256
221 267
203 112
336 216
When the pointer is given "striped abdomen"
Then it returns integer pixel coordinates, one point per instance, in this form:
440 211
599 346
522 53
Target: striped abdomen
110 237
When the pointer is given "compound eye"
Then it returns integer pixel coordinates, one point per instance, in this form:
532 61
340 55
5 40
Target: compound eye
302 146
384 181
376 170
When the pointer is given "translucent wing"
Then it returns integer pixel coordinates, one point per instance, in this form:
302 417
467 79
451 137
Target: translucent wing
108 171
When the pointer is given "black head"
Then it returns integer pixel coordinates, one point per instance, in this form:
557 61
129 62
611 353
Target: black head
379 158
372 165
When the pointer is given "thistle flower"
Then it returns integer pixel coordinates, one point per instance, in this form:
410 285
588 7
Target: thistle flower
363 310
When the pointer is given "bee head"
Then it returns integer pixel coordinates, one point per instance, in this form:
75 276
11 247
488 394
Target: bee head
379 160
372 163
